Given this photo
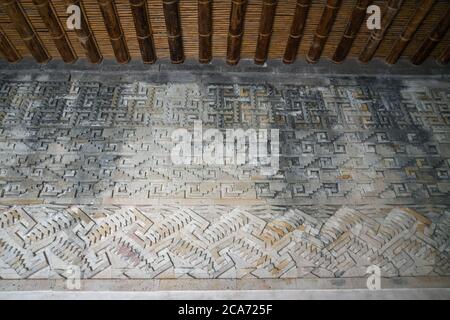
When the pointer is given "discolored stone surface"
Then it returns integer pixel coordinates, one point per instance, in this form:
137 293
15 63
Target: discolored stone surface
86 179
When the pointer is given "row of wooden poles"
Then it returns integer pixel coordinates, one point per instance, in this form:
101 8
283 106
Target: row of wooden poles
235 35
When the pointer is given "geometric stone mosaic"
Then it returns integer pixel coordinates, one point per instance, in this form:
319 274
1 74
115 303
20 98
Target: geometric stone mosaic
205 242
86 179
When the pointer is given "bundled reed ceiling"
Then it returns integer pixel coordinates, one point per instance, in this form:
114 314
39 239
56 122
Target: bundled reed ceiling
205 29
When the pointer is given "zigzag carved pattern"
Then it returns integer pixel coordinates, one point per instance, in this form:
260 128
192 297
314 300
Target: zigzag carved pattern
223 241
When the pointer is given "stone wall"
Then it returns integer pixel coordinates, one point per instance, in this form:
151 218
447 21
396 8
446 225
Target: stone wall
86 178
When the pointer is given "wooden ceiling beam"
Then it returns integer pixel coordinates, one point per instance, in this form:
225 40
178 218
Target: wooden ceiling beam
444 57
375 38
323 30
32 41
204 31
56 31
414 23
7 49
297 29
85 35
114 29
267 19
336 27
236 31
171 10
144 31
354 24
432 40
